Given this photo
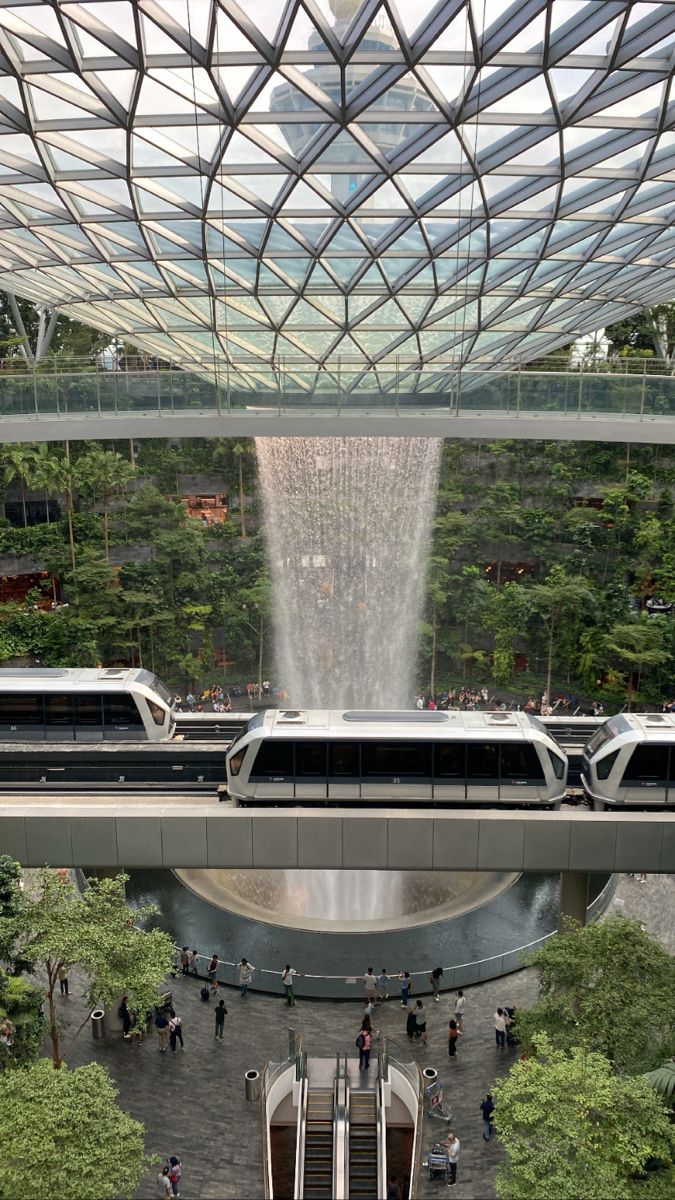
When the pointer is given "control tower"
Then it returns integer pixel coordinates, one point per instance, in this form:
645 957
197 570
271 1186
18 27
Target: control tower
406 95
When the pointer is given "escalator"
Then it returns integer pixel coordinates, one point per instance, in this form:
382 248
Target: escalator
318 1160
363 1159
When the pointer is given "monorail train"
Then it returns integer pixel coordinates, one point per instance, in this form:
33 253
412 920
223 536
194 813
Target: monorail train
291 757
630 762
54 704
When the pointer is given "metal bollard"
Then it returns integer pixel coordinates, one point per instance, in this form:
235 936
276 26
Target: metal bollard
98 1024
252 1085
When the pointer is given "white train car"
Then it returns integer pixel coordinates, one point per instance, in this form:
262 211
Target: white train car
295 757
630 762
58 704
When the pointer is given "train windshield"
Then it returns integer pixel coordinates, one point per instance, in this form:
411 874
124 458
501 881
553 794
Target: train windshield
600 738
149 680
255 723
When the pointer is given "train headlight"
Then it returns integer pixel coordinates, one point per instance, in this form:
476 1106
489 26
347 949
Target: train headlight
236 761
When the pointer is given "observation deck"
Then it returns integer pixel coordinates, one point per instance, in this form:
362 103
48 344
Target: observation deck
625 400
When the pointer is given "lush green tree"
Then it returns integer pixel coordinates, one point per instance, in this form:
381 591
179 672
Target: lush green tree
103 473
62 1133
20 1011
17 461
573 1130
632 647
97 931
506 618
560 598
610 986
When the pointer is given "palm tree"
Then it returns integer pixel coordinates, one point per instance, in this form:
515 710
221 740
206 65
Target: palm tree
17 460
104 472
67 480
45 473
242 450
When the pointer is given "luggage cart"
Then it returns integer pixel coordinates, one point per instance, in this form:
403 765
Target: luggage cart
434 1094
438 1163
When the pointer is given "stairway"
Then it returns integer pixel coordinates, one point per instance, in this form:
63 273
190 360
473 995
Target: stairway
362 1146
319 1144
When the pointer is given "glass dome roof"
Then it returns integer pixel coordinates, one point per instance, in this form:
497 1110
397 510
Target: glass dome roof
314 181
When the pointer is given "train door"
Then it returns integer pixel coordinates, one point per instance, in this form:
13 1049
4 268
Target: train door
396 770
482 771
645 777
271 775
311 780
344 771
450 771
522 774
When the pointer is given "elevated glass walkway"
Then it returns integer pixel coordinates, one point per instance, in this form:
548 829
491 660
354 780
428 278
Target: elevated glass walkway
626 400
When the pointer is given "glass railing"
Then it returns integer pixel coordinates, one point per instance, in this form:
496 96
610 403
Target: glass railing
625 388
288 1054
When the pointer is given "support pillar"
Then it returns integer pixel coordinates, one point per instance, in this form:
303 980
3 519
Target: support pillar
573 895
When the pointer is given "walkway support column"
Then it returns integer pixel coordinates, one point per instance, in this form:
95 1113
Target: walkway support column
573 896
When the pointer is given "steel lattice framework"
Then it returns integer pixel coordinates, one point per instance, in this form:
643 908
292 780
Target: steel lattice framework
313 182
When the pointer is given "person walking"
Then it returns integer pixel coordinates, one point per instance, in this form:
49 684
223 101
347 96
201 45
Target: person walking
185 960
125 1017
421 1021
212 972
221 1013
162 1026
411 1024
63 979
246 970
383 985
453 1035
370 985
175 1030
364 1042
175 1174
406 987
460 1001
487 1108
500 1029
452 1147
435 981
287 977
163 1183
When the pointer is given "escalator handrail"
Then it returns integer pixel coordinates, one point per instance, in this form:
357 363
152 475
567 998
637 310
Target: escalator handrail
381 1141
299 1185
346 1119
338 1128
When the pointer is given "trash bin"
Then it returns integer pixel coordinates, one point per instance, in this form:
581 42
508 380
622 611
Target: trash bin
252 1085
98 1023
430 1075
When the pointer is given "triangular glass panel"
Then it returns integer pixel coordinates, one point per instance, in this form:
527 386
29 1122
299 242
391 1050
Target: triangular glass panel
303 197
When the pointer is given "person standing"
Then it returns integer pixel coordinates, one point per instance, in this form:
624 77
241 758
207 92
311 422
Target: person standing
175 1174
63 979
435 981
175 1031
164 1183
185 960
221 1013
162 1026
421 1021
452 1147
487 1108
369 1009
246 970
193 963
370 985
212 972
406 987
364 1042
453 1035
460 1002
411 1024
500 1029
287 977
383 985
125 1017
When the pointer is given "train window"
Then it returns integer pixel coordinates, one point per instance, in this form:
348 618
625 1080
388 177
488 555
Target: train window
604 765
157 713
343 759
88 710
449 760
121 710
275 757
310 759
600 738
24 708
482 760
58 710
557 763
397 759
521 761
647 763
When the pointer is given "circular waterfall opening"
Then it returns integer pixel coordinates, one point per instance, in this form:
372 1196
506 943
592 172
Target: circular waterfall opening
347 901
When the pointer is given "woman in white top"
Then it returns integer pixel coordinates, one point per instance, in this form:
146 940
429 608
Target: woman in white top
287 976
246 970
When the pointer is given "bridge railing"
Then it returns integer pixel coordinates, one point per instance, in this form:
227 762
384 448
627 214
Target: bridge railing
631 388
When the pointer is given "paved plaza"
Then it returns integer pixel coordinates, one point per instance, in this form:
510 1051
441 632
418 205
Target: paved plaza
192 1102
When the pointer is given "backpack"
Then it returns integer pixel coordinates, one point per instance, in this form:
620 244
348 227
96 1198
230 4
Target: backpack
360 1042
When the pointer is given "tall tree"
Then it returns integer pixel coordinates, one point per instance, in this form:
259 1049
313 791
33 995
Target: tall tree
17 461
558 598
64 1134
98 932
103 473
573 1130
